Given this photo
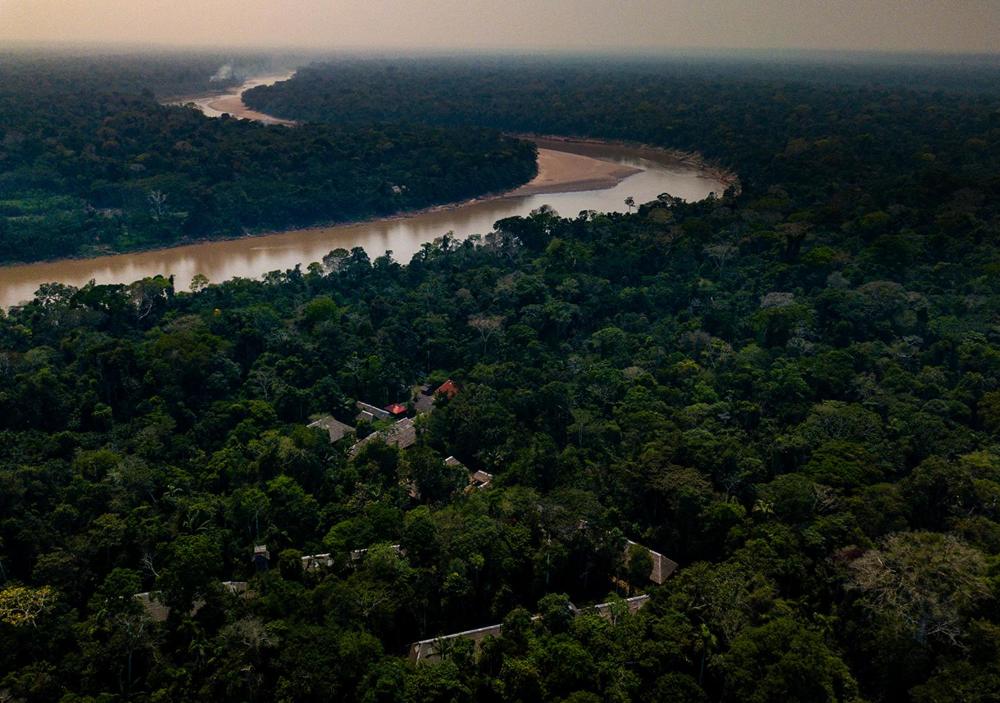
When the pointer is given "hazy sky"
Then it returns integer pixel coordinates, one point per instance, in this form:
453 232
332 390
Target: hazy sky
907 25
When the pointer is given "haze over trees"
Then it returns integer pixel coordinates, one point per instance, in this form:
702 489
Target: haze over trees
793 390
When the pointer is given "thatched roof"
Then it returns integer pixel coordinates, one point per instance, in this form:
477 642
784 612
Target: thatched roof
336 429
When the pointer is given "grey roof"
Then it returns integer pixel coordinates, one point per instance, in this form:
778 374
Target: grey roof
424 402
430 649
374 410
158 611
663 566
314 562
336 429
480 479
477 479
402 434
424 399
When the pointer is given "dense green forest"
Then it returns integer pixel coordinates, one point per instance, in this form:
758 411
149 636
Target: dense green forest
772 131
164 74
91 163
793 391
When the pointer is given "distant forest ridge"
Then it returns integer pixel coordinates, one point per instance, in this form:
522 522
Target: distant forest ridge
772 125
91 163
164 74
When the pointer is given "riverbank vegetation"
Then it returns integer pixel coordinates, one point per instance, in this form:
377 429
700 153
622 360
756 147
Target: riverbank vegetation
793 391
771 124
92 164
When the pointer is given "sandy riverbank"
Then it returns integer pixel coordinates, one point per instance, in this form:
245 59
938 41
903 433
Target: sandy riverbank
559 171
232 102
573 175
658 154
564 172
403 234
565 164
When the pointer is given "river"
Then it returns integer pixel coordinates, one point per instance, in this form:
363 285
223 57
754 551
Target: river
216 105
574 176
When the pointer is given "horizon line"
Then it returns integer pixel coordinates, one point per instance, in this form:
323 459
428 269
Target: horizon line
639 51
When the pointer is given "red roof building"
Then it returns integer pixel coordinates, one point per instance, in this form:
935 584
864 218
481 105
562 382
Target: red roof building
396 409
448 389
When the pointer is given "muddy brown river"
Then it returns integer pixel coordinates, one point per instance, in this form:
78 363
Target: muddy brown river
569 184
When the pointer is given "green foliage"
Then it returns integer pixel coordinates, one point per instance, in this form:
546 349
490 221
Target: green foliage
790 390
101 166
785 661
